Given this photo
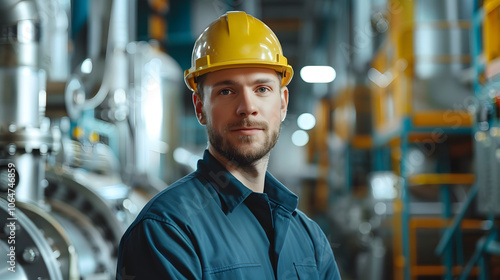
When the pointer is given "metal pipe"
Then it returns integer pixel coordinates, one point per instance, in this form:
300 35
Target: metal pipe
19 62
106 51
24 137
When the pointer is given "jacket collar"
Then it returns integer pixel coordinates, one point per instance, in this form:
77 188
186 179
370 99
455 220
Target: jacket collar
232 192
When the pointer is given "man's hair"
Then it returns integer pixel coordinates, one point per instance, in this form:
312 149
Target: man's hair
201 79
199 85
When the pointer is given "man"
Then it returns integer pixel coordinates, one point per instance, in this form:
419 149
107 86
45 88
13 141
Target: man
230 219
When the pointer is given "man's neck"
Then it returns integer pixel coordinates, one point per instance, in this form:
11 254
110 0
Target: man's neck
252 176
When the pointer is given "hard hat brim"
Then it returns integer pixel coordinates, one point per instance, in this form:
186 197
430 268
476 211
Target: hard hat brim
191 74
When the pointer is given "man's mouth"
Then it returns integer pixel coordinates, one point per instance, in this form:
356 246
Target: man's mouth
247 130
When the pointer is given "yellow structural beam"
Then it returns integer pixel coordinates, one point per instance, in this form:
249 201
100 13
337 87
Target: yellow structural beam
443 223
446 118
361 141
441 179
433 223
437 270
491 27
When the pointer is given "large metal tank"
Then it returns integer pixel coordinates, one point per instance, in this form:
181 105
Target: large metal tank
155 98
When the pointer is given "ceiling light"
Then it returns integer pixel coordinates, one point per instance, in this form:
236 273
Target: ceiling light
317 74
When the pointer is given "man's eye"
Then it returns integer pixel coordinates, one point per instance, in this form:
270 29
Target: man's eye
262 89
225 92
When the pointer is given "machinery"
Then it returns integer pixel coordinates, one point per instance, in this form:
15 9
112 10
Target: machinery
72 183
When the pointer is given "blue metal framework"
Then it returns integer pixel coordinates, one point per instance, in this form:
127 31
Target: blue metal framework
489 243
403 134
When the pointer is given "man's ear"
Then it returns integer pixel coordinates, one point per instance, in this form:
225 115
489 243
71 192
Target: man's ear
284 102
198 108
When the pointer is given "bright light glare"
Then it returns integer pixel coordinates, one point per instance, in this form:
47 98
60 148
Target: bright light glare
86 66
300 138
383 188
152 108
318 74
306 121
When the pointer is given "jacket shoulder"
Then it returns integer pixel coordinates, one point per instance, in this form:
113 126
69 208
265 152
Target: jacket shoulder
180 201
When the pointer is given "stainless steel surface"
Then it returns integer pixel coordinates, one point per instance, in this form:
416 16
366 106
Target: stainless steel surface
25 138
76 233
26 235
55 39
54 235
86 192
31 170
20 100
19 273
154 106
15 10
19 45
106 57
70 214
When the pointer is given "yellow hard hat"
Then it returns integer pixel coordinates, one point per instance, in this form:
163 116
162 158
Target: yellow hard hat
236 40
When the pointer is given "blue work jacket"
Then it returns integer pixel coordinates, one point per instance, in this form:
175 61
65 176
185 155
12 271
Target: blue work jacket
208 225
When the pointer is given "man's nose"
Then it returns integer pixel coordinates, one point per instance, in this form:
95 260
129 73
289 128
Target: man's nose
247 103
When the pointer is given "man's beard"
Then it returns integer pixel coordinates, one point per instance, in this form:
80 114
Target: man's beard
235 153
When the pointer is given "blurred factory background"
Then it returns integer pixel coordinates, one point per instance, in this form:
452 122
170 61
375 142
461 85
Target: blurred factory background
393 146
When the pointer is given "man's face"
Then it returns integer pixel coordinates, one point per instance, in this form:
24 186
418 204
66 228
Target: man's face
242 109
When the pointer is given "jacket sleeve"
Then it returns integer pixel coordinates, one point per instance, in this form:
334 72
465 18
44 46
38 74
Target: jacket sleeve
155 249
325 260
